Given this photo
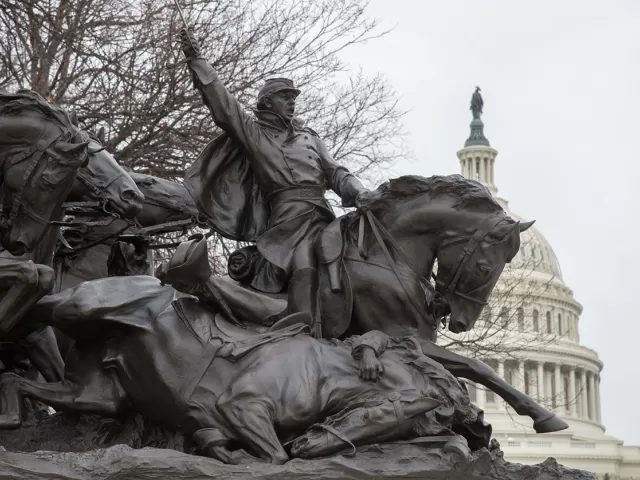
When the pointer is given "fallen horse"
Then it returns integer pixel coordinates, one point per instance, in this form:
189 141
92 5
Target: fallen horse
143 346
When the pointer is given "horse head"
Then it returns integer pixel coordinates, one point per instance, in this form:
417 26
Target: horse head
103 179
164 200
457 222
34 190
469 267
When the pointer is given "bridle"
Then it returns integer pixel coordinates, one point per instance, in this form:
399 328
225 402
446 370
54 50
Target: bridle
37 151
450 286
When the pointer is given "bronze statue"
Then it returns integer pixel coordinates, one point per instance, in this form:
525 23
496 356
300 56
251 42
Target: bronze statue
148 347
476 103
264 180
385 253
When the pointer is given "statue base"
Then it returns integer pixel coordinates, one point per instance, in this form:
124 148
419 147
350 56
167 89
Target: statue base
87 447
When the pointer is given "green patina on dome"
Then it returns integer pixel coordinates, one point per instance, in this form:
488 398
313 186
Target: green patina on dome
477 134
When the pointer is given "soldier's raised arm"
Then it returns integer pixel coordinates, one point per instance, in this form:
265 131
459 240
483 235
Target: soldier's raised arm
227 112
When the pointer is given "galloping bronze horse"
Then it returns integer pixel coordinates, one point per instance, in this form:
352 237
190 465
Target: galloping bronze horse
43 158
390 253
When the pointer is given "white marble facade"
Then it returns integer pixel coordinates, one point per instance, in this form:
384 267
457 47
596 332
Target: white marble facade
545 358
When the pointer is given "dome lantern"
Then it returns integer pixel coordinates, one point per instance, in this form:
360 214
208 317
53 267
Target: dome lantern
477 158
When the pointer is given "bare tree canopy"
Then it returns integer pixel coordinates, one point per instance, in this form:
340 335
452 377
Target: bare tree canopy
107 60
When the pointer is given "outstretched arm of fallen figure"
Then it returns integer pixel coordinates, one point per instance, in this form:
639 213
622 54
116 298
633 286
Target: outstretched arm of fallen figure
366 349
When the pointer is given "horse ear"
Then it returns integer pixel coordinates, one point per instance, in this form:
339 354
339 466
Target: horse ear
72 148
526 225
101 136
74 118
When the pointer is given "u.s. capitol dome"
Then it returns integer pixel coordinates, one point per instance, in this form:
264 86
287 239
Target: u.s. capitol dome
529 334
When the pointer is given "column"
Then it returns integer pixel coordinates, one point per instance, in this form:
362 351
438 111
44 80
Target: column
592 397
598 411
520 379
492 168
571 394
557 380
541 392
501 375
583 394
548 387
483 170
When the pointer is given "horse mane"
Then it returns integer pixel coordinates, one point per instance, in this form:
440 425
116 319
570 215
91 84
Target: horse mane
28 100
468 194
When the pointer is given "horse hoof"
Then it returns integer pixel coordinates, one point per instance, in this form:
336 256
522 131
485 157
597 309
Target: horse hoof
550 424
460 448
10 422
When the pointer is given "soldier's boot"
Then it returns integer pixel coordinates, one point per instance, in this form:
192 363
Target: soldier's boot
302 301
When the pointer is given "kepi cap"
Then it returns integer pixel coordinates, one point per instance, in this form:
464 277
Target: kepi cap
274 85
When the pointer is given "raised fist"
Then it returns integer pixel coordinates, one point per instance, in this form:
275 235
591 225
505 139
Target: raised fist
189 44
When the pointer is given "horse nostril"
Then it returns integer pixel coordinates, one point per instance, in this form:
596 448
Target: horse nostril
130 195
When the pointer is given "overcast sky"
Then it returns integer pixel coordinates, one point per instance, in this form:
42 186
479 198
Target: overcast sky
560 81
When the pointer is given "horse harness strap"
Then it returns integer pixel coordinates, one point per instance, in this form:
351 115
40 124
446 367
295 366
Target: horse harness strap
376 227
466 254
38 151
176 225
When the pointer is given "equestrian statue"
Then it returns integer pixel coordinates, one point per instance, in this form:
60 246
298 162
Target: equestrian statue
322 337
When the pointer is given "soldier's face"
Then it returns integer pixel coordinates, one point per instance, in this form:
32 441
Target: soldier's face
283 103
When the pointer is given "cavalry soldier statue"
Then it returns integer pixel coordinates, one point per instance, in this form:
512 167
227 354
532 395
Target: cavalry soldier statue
264 181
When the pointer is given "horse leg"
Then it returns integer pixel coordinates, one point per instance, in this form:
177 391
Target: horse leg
213 443
544 421
389 421
93 392
250 417
42 348
27 283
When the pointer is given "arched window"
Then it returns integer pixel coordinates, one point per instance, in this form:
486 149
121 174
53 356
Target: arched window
504 316
559 324
521 319
549 330
536 326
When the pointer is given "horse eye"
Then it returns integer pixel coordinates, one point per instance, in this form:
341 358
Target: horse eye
485 269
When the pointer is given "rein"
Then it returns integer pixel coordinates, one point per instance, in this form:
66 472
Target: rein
377 227
465 255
